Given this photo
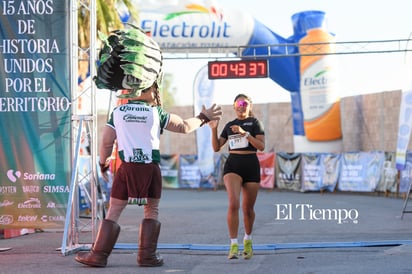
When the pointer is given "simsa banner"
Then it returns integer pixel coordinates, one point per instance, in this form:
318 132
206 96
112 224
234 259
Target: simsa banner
34 113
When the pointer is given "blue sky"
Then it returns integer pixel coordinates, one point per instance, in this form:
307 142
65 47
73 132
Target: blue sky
350 20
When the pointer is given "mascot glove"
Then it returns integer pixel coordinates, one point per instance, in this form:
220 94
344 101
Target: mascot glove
210 114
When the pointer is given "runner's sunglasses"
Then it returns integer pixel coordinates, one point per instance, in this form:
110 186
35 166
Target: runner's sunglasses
241 103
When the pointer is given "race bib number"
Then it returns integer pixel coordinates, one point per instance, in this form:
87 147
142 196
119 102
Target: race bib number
237 141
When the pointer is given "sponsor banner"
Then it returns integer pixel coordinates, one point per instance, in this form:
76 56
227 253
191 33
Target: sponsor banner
169 166
389 174
215 179
288 172
319 171
35 113
330 163
182 25
404 131
361 171
311 172
267 169
355 171
189 171
220 160
406 174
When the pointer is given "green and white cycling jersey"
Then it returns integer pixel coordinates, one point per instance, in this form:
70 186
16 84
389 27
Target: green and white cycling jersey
138 127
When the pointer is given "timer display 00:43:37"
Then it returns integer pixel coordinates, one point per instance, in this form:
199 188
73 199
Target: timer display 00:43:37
238 69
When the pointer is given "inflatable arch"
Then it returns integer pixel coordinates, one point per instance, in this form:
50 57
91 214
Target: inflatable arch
310 78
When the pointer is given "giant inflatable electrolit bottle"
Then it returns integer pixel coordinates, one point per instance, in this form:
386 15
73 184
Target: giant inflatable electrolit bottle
319 91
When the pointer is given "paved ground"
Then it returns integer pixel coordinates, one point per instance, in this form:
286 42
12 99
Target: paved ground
294 233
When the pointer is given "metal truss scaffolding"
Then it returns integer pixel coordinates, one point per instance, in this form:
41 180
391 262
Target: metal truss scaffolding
83 128
289 50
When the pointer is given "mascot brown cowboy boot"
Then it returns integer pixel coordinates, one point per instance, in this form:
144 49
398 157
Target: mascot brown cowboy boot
148 236
101 249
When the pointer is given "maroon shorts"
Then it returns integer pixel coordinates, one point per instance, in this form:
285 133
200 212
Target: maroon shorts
136 180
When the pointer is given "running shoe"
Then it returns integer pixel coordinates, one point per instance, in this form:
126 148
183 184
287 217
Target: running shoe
234 251
247 249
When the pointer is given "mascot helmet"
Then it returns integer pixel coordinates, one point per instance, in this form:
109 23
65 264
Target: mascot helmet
129 60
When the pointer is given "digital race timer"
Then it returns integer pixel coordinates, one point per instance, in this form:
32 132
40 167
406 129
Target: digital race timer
238 69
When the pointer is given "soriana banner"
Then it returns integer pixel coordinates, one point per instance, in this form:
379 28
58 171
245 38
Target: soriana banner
34 113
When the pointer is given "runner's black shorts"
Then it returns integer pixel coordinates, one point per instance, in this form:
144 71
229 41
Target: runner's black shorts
246 166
